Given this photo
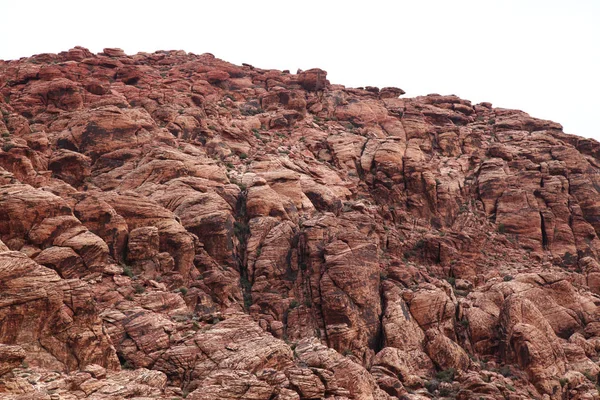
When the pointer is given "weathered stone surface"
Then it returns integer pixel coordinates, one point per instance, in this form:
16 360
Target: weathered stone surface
225 231
10 358
54 319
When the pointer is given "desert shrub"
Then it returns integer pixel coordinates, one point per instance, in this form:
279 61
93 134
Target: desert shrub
7 146
590 376
563 382
127 271
432 385
246 291
446 375
240 229
505 371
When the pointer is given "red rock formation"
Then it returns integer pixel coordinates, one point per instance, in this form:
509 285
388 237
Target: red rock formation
173 225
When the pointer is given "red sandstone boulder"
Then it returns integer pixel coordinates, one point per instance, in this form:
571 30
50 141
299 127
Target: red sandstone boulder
313 79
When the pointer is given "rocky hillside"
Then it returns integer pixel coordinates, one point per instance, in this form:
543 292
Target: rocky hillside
175 226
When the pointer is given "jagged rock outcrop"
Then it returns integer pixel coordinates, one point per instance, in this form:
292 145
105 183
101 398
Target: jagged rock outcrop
173 225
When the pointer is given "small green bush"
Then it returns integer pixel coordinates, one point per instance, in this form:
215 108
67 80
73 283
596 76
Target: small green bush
127 271
139 289
7 146
245 283
183 290
294 304
501 228
507 278
247 300
590 376
563 382
420 244
246 291
446 375
432 385
240 229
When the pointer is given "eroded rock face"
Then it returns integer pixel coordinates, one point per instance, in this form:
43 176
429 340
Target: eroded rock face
54 320
11 356
173 225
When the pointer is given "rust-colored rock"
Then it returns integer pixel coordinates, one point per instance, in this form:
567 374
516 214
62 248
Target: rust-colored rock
10 358
173 225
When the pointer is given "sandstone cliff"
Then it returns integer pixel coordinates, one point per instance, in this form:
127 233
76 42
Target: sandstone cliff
172 225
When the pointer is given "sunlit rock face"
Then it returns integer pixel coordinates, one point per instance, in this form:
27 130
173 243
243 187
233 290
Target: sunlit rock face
173 225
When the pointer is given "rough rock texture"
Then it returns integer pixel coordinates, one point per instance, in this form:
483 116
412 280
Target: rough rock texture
172 225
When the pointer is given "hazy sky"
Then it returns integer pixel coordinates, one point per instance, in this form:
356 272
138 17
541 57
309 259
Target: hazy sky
539 56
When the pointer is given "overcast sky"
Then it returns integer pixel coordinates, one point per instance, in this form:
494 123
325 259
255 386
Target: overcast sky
542 57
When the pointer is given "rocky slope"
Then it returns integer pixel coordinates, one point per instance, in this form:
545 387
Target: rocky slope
172 225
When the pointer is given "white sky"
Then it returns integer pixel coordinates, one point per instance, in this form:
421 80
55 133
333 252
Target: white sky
541 56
